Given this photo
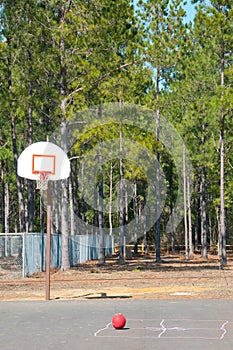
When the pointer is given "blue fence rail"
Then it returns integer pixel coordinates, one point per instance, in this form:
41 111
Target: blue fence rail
81 249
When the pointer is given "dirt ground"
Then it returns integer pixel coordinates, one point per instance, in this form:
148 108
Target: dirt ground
138 278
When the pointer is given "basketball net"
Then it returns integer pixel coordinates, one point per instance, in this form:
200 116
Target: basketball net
42 181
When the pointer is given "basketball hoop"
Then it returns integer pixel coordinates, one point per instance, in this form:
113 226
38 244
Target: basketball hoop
43 162
42 181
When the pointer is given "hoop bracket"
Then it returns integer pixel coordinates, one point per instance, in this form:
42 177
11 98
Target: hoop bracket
42 181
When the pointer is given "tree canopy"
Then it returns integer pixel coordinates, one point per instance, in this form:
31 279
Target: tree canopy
62 61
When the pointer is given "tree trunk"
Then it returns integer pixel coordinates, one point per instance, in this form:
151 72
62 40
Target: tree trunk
157 131
121 207
185 203
72 216
7 208
30 182
75 195
82 193
211 233
171 191
3 200
223 255
42 216
65 264
203 199
135 211
145 239
197 212
2 252
203 215
189 215
5 217
101 209
101 224
110 199
56 206
22 221
96 212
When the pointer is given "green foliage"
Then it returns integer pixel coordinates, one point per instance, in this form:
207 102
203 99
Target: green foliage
60 57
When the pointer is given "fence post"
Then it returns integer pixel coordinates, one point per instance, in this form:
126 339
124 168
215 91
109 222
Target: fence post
23 255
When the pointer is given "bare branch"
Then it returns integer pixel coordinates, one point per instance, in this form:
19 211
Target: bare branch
4 145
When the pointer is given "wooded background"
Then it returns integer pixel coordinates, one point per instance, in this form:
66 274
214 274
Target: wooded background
61 57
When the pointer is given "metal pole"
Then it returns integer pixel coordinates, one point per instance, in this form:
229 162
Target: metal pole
23 256
48 244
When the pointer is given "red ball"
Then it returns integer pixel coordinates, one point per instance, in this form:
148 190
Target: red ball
118 321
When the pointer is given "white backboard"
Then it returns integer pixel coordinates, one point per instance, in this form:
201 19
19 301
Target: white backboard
43 157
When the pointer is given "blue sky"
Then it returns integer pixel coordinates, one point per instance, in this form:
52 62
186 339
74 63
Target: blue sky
190 10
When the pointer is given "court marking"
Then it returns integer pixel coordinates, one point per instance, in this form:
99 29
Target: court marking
137 328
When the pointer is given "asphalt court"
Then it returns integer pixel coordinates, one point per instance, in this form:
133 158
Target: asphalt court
169 328
164 325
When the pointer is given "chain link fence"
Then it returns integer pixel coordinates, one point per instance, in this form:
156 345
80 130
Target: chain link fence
11 259
24 254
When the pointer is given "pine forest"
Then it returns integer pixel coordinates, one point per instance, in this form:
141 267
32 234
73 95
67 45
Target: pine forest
141 100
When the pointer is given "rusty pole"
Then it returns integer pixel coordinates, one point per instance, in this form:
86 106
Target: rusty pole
48 244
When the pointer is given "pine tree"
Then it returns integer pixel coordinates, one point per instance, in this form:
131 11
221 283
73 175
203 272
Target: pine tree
163 33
